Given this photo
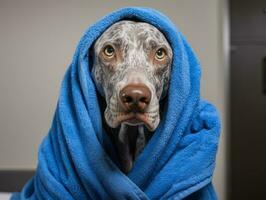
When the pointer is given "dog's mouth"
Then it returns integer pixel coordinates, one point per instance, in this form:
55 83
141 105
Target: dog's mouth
134 119
131 118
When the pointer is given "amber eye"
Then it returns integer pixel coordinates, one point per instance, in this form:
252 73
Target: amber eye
109 51
160 54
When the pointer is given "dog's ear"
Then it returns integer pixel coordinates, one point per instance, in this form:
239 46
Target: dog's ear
162 107
91 57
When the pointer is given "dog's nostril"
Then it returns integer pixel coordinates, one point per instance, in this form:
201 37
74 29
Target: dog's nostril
144 100
135 97
127 99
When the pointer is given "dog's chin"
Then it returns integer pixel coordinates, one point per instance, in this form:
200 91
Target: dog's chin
133 122
132 119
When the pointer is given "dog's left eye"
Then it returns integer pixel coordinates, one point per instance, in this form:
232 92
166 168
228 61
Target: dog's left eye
109 51
160 54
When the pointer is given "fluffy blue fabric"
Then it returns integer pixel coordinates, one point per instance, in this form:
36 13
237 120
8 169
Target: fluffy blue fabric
77 160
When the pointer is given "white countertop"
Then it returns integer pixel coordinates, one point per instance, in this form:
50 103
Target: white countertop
5 196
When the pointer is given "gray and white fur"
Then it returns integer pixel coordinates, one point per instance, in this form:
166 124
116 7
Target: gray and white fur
134 62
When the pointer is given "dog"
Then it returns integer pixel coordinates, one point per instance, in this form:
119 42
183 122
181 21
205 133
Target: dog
131 71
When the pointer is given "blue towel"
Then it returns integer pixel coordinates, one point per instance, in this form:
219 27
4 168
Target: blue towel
76 160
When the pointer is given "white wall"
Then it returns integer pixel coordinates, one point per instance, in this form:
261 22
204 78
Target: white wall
38 39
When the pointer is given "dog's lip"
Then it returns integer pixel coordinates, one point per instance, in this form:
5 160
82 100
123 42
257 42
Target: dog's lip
135 118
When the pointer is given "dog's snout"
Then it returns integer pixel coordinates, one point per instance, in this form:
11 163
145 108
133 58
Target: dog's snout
135 97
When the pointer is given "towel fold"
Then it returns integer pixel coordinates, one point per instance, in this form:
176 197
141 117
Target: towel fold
75 159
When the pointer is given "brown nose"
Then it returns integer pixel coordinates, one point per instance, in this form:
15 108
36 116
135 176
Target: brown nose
135 97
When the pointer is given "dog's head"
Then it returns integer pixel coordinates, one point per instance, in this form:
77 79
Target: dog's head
131 70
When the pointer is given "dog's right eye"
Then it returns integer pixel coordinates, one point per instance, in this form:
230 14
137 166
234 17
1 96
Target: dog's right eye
160 54
109 51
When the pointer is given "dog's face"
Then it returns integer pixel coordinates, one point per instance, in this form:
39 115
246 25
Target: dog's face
131 70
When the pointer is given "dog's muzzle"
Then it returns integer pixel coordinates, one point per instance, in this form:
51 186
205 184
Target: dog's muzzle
134 99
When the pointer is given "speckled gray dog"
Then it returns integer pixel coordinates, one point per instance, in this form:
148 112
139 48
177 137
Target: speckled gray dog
131 70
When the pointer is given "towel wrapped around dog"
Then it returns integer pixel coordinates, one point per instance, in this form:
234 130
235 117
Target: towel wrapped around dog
76 160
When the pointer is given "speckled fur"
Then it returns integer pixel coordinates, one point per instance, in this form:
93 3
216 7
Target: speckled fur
136 42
